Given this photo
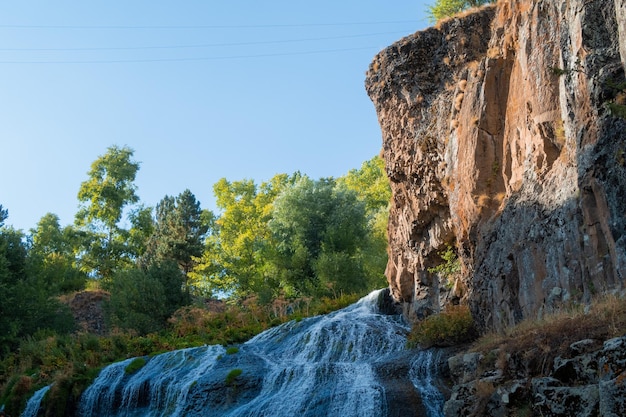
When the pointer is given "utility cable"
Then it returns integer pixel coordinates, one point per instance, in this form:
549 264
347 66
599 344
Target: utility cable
122 27
216 58
208 45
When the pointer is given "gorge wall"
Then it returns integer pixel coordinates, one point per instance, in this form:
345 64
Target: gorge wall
499 143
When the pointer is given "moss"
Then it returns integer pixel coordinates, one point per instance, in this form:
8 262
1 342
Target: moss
135 365
232 375
232 350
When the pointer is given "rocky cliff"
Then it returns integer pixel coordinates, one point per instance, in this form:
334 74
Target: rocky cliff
499 143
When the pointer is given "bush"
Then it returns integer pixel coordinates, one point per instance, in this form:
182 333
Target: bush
447 8
135 365
453 326
232 375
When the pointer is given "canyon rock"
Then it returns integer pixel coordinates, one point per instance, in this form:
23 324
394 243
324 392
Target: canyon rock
499 144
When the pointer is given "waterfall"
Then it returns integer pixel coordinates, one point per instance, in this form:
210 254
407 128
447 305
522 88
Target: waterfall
423 376
32 406
320 366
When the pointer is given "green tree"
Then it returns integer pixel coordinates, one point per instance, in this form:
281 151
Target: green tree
446 8
104 196
318 228
26 305
143 299
179 233
52 256
4 214
236 257
371 185
142 227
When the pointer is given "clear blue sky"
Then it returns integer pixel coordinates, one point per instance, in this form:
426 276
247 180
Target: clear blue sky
200 90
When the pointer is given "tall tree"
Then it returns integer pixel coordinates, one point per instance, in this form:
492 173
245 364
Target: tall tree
179 232
371 184
4 214
109 190
236 257
318 228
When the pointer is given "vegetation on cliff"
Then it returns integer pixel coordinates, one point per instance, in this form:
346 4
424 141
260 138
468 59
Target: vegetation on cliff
447 8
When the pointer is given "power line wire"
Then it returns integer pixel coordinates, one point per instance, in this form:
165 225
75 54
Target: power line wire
216 58
133 48
123 27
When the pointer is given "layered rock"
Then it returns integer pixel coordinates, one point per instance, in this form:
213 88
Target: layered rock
588 381
498 143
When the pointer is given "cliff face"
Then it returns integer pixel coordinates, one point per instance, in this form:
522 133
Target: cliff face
498 143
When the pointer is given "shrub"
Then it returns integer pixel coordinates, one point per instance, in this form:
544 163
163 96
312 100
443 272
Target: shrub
453 326
232 350
232 375
447 8
135 365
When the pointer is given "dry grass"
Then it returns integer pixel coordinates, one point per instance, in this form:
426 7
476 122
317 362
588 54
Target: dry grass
539 341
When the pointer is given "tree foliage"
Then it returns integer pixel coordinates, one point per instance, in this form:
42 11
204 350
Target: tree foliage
143 299
178 233
236 257
286 238
103 197
4 213
447 8
318 227
52 255
27 305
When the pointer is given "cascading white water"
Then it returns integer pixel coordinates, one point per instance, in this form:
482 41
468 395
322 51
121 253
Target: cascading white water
33 404
423 374
320 366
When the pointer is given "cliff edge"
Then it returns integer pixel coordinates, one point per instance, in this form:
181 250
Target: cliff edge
499 143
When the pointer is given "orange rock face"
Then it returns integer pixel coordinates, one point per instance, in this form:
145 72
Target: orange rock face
498 143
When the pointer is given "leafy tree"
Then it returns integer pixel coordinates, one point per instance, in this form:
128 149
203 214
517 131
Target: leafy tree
26 305
236 257
104 196
179 233
371 185
52 257
142 227
4 214
446 8
318 228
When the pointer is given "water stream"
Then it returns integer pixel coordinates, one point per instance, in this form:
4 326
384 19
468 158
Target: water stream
352 362
33 404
